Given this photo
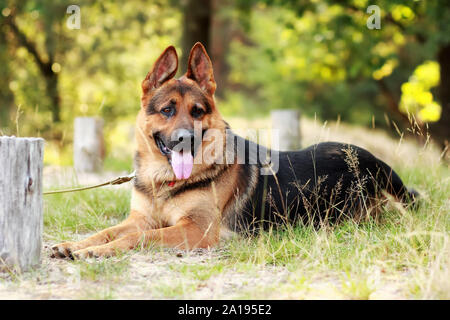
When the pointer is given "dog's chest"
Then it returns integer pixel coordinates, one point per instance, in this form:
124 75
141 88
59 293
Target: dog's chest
168 213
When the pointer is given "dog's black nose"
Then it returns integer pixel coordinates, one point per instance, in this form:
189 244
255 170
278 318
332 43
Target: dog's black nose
181 139
183 135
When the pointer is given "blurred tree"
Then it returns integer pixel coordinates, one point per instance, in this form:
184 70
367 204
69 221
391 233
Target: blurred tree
7 97
95 71
45 55
221 34
441 128
318 56
196 26
209 22
323 49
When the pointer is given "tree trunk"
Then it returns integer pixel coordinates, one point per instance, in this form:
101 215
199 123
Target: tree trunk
196 26
440 130
21 213
7 102
51 80
221 33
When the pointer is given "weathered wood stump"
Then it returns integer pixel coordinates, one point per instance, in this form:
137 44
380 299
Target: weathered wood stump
21 213
88 144
287 125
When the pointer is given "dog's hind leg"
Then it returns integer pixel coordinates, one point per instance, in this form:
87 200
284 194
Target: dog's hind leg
136 222
184 235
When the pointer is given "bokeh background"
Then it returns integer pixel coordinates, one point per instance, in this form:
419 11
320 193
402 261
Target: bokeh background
315 56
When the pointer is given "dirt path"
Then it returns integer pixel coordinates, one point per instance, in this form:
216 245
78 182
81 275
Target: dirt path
171 274
147 275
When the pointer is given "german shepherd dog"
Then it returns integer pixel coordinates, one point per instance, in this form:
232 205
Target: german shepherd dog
178 201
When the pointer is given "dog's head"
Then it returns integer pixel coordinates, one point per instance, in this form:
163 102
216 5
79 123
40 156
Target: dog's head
176 114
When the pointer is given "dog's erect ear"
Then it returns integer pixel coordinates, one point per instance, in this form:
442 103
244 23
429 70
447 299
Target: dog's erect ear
200 68
164 69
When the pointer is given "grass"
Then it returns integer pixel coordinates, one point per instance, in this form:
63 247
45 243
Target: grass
198 272
84 211
106 269
403 255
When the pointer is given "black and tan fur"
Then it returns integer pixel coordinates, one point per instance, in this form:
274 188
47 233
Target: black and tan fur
324 182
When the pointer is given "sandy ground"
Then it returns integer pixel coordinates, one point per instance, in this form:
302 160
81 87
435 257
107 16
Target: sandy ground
151 275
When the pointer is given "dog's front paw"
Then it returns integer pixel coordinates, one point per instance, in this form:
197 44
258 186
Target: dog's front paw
63 250
93 252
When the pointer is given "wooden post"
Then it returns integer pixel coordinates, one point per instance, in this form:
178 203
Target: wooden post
21 222
287 125
88 144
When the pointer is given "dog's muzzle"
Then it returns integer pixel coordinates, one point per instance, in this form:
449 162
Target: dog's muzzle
180 151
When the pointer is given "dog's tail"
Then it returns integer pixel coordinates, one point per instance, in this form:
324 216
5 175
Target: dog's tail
413 197
395 186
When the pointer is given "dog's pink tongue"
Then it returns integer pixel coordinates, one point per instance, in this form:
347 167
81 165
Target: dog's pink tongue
182 163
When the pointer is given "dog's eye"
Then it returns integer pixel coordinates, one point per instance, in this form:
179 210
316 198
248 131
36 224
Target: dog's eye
168 111
197 112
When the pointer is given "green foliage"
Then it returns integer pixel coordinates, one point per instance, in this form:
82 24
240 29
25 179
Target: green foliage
316 56
416 95
99 66
321 58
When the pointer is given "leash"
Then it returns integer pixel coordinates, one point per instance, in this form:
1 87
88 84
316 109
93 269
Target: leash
116 181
